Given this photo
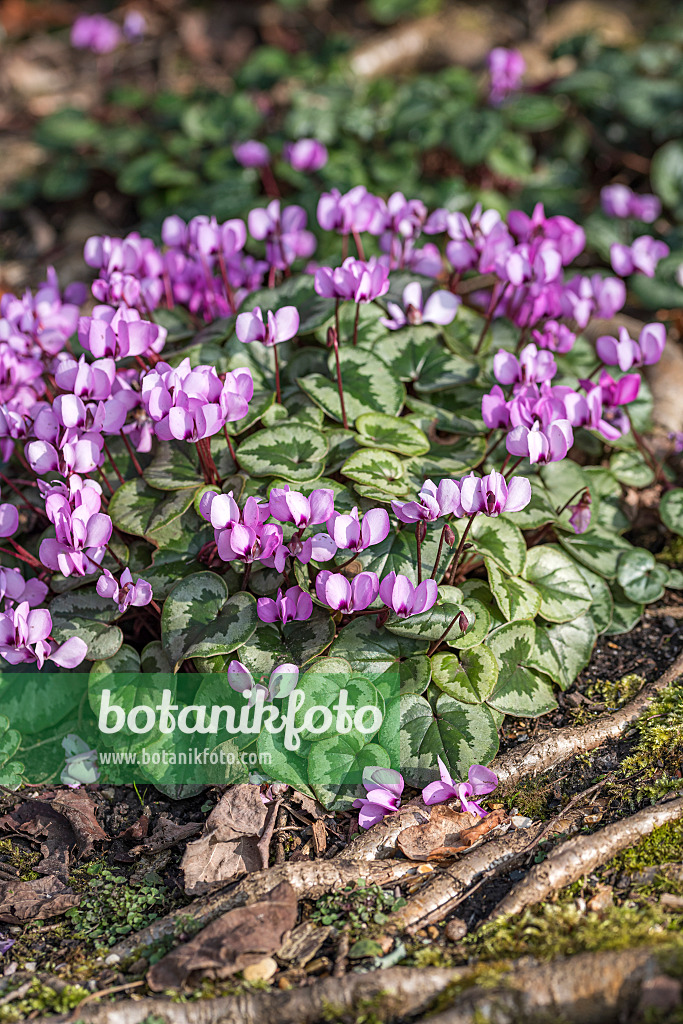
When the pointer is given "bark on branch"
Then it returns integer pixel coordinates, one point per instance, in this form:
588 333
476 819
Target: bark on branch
584 854
558 745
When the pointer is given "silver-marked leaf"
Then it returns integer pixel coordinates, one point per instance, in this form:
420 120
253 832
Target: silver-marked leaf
396 434
563 650
374 467
103 640
516 598
603 603
671 510
625 614
291 451
598 549
520 690
641 578
174 467
564 593
398 553
192 614
295 643
144 511
367 382
478 624
469 678
335 769
376 652
460 734
232 627
433 624
500 540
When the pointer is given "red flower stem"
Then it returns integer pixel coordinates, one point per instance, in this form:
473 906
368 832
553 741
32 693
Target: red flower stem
156 607
445 633
269 183
438 553
136 464
169 291
450 574
109 486
489 453
116 558
226 284
245 577
418 538
113 464
25 555
359 245
16 490
230 447
567 503
488 318
15 554
335 342
336 316
206 460
355 325
648 456
513 467
278 394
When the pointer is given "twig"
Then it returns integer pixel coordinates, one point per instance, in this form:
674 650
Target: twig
583 854
576 799
560 744
104 992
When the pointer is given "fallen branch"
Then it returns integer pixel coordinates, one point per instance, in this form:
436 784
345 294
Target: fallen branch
396 991
591 988
558 745
583 854
671 611
380 840
444 891
309 879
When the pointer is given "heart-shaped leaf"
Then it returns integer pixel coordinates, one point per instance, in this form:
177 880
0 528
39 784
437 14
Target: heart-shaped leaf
141 510
640 576
469 678
377 430
516 598
199 620
564 593
563 650
292 451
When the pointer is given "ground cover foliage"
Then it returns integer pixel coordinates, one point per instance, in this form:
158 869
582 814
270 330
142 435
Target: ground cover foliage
349 422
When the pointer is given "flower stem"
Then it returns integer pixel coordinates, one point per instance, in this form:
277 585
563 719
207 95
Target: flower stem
136 464
23 555
567 503
359 245
230 447
355 325
205 458
487 319
109 486
445 633
245 578
278 394
454 564
112 463
16 490
226 284
438 553
333 339
648 456
418 538
513 467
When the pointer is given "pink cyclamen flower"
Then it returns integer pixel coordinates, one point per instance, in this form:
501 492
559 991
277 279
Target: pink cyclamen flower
295 605
14 589
440 308
547 443
9 519
627 353
24 638
305 155
134 25
117 333
350 534
481 780
433 503
491 495
337 592
620 201
404 599
251 154
294 507
279 326
384 787
283 679
190 403
532 366
96 33
554 336
125 593
580 517
642 255
506 68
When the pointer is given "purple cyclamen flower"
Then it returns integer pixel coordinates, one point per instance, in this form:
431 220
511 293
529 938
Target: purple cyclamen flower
24 638
532 366
440 308
433 503
404 599
481 780
117 333
626 353
295 605
305 155
9 519
14 589
357 210
547 443
491 495
279 326
249 543
190 403
605 400
620 201
125 593
251 154
81 537
337 592
89 381
294 507
134 25
554 336
348 533
506 68
283 679
96 33
384 787
642 255
580 517
284 232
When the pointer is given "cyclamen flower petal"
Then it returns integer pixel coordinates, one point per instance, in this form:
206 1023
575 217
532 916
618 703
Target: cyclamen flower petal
384 787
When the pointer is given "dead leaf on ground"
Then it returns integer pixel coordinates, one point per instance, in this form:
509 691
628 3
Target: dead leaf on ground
166 834
42 897
78 808
241 937
229 845
447 833
40 822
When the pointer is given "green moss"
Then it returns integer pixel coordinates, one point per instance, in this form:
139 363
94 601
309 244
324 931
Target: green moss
41 1000
531 798
662 846
617 692
24 860
562 930
110 907
357 907
658 750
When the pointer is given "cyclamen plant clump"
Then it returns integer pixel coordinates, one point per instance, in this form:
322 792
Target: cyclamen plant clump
420 481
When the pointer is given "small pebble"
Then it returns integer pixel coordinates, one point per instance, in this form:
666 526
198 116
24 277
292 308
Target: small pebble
112 959
10 969
456 929
30 966
263 970
668 899
138 966
284 983
433 932
580 904
520 821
